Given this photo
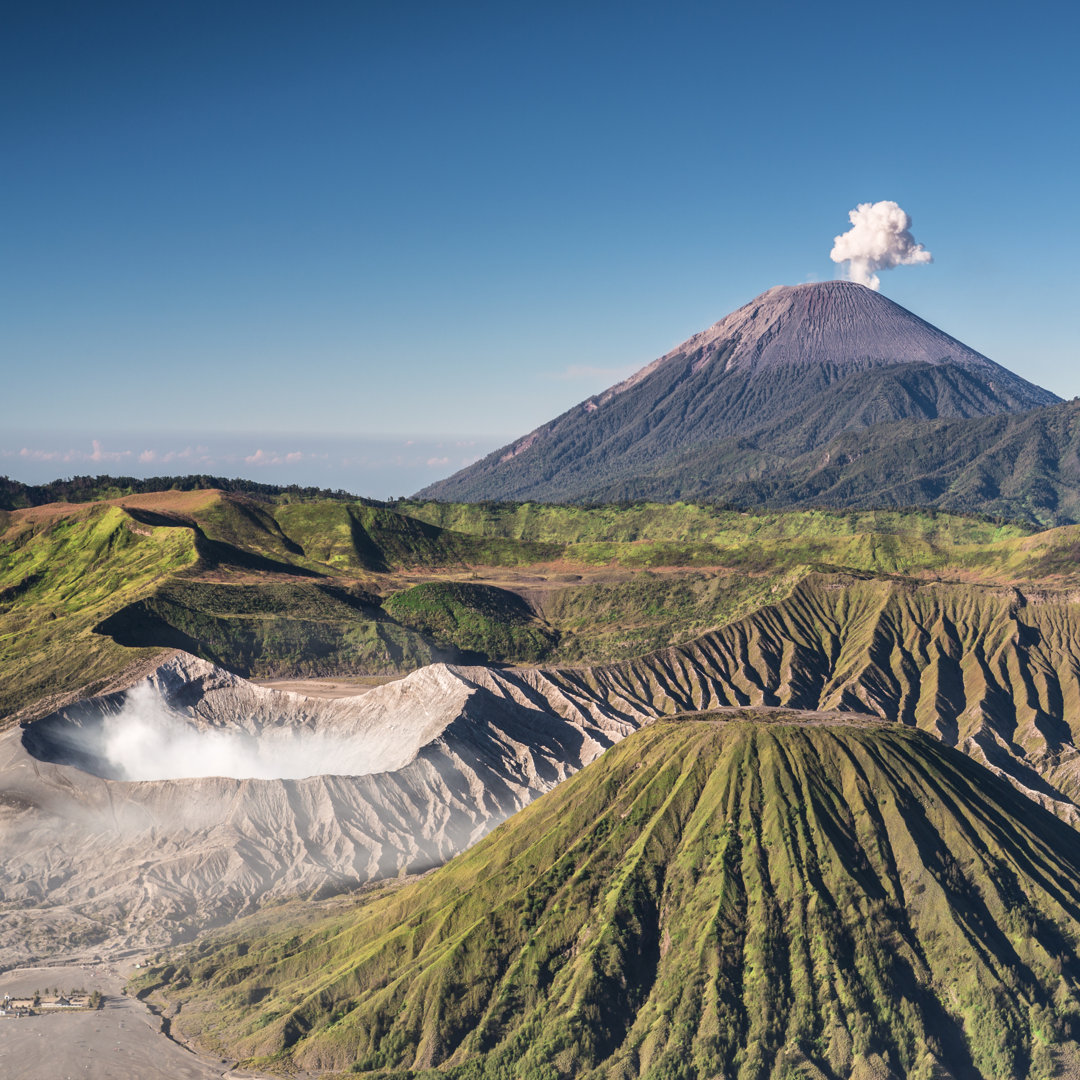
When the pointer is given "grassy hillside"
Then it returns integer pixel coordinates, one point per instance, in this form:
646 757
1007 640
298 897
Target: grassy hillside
709 898
985 668
59 576
876 540
264 587
275 628
478 619
292 587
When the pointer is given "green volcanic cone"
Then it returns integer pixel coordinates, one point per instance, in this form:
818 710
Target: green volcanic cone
754 896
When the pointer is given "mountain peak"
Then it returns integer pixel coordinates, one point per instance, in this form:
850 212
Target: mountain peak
838 323
775 379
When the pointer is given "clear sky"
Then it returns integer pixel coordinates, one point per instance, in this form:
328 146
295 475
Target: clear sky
271 239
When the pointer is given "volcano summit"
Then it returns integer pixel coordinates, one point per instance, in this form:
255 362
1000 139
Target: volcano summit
776 379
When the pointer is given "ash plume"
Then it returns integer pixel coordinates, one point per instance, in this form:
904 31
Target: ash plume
148 741
879 239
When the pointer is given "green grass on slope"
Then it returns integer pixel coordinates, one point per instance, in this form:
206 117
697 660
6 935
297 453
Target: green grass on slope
737 899
984 668
354 536
479 619
58 578
675 534
684 521
334 536
615 621
275 629
606 583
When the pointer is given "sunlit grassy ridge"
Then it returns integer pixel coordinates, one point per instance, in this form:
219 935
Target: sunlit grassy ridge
741 899
275 628
682 521
60 576
988 669
270 586
674 534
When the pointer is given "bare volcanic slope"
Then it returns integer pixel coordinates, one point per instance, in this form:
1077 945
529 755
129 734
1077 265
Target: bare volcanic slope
145 816
710 898
989 670
782 375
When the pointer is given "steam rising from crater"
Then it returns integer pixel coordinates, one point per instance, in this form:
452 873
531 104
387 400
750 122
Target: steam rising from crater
146 740
879 239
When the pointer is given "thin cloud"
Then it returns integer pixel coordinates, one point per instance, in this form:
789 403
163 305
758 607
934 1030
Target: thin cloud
262 457
97 453
197 455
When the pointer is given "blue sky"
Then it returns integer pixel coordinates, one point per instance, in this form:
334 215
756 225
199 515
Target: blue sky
406 233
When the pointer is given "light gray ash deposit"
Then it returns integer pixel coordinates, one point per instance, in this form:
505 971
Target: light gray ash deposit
118 829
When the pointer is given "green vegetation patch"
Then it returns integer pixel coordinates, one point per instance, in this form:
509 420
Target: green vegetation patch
605 583
687 534
619 620
356 536
271 629
493 623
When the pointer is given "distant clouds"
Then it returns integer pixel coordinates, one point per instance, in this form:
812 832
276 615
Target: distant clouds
97 454
194 455
293 457
380 468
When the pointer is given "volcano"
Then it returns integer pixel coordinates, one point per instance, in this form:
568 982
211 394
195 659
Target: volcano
736 894
780 377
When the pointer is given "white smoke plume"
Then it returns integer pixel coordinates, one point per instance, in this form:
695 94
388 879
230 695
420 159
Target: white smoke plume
148 741
879 239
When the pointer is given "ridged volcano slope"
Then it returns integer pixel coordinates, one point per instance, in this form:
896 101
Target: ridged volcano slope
779 377
735 899
989 670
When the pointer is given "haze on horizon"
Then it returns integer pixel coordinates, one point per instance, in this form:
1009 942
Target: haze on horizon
338 247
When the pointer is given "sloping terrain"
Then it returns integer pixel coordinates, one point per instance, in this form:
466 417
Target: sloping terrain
1024 466
778 378
992 671
61 574
139 818
88 590
411 773
967 629
711 898
482 619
